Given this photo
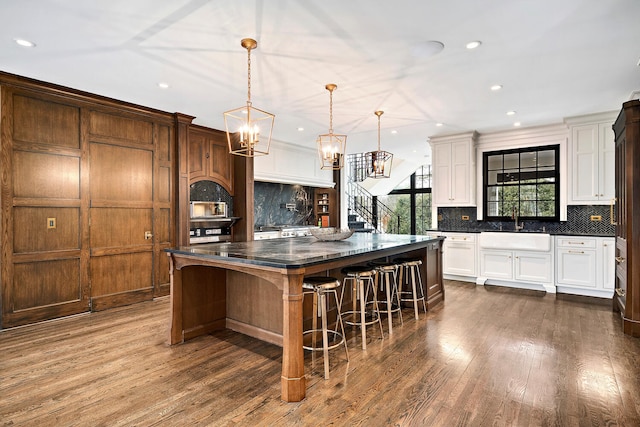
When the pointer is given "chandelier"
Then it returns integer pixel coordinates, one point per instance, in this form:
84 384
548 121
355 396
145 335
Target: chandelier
248 128
378 162
331 146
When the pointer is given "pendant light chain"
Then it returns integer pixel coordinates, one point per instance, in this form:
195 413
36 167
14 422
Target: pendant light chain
249 76
331 112
378 129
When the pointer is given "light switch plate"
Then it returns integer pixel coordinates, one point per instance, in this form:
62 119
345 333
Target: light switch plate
51 223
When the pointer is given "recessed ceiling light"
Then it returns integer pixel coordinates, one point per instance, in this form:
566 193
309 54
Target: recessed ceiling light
516 124
496 87
163 85
394 132
511 113
439 124
25 43
474 44
300 129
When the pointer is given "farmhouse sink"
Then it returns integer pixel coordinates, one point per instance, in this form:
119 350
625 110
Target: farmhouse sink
515 241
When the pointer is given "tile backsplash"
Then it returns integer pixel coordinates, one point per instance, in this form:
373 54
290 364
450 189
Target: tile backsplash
578 221
282 204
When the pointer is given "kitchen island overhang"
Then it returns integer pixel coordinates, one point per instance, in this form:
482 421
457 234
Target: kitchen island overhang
204 296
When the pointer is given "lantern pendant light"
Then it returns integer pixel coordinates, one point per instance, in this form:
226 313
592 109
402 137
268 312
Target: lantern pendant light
248 128
378 162
331 146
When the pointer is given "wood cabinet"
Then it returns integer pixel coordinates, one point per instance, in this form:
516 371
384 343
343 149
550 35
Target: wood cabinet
326 207
87 201
592 160
585 265
454 170
459 255
627 179
209 157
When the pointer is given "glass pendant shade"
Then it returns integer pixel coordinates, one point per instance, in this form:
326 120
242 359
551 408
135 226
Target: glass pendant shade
248 128
378 162
331 146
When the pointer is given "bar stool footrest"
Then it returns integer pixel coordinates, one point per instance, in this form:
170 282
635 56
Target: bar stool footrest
332 336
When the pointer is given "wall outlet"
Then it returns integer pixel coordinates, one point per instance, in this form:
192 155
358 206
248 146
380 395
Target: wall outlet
465 217
596 217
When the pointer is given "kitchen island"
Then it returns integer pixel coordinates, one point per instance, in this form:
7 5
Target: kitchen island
211 283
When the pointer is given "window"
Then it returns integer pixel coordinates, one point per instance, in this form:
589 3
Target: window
411 201
524 182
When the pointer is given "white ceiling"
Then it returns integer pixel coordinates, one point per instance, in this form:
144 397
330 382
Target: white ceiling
553 58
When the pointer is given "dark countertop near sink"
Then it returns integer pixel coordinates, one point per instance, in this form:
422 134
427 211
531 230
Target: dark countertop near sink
553 233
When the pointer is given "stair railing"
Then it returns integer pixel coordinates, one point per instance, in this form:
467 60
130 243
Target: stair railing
380 217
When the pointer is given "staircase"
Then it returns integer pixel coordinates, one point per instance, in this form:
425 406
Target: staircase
366 213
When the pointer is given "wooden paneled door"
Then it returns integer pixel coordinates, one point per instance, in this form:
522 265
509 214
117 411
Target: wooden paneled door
129 208
44 250
86 202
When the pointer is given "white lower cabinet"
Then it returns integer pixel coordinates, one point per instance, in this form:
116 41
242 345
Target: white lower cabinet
459 256
518 268
585 265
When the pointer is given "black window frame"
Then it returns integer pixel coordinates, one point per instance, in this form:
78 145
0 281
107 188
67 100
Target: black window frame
486 186
413 191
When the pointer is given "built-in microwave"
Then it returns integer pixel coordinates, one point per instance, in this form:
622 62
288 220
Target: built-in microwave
204 210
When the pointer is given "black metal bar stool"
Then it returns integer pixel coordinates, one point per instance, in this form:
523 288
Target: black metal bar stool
320 287
387 280
410 276
362 286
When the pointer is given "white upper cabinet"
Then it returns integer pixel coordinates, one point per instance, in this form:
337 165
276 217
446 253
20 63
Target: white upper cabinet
454 170
592 161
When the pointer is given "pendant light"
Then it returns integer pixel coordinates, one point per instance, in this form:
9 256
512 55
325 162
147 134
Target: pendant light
248 128
378 162
331 146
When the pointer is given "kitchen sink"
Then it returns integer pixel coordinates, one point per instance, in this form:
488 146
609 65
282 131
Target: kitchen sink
515 241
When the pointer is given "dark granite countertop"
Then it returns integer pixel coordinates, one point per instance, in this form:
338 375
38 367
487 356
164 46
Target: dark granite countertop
553 233
302 251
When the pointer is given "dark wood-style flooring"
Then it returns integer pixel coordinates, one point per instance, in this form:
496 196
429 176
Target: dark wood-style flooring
487 356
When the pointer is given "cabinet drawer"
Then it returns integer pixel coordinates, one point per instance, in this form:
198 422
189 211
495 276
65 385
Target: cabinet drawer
576 242
460 237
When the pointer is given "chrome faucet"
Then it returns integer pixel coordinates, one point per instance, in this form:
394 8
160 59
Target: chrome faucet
514 216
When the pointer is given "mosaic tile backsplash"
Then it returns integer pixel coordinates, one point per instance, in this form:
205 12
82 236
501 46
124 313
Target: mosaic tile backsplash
282 204
578 221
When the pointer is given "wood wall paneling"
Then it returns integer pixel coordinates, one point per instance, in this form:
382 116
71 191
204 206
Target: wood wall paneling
119 127
45 175
39 284
45 122
33 233
104 170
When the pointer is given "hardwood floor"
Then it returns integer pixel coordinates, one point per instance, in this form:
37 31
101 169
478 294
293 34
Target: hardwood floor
487 356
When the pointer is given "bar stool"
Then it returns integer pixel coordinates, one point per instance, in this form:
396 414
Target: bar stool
387 279
320 287
410 275
361 278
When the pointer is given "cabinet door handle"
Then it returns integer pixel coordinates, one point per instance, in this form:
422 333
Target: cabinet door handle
576 252
620 260
576 243
612 220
